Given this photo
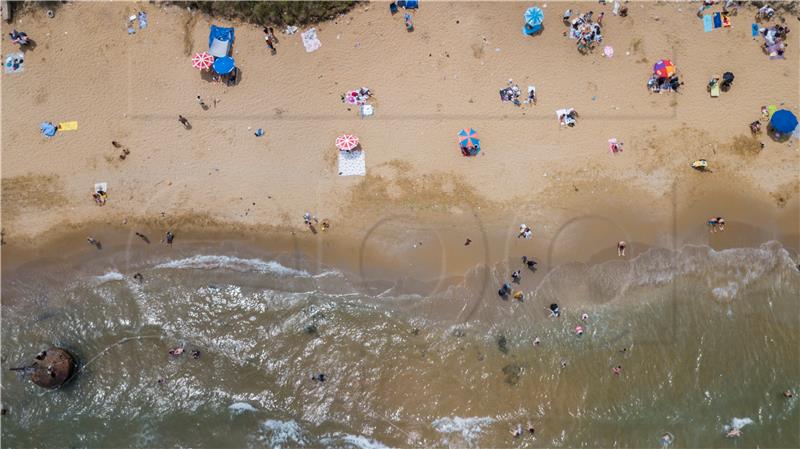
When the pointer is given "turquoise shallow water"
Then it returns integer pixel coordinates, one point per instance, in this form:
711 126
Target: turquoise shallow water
706 339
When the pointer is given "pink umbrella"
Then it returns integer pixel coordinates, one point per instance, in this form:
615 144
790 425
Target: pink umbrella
346 142
202 61
608 51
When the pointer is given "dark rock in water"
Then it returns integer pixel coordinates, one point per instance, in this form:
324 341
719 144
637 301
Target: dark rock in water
502 344
459 333
51 368
310 329
513 372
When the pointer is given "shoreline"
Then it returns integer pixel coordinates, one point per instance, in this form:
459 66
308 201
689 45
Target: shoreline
390 249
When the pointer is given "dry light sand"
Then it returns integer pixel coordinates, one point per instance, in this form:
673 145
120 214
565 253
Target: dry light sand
428 84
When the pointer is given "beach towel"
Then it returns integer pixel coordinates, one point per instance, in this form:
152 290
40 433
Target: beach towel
726 21
708 23
14 63
101 187
715 90
717 20
310 40
352 163
68 126
142 20
367 110
754 29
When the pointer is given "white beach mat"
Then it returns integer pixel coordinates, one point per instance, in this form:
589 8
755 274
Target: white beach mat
310 40
352 163
101 187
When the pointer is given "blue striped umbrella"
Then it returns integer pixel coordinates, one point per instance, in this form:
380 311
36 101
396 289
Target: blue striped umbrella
534 16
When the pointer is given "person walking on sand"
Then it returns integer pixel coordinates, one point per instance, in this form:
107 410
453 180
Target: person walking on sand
168 238
720 224
270 44
184 121
712 224
529 262
621 248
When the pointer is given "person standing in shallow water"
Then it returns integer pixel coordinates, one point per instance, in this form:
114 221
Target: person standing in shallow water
621 248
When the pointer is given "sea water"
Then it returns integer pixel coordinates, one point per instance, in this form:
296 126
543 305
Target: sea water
707 340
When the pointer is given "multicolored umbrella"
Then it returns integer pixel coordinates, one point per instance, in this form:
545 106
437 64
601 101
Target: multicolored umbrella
469 142
202 61
664 68
534 16
346 142
783 121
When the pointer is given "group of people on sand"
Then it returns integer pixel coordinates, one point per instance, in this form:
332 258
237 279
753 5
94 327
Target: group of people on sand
311 220
583 28
516 277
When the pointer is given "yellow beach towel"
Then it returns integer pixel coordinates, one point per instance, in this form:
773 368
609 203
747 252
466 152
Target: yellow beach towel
68 126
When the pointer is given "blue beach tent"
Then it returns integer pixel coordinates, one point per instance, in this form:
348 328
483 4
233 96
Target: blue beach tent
220 41
783 121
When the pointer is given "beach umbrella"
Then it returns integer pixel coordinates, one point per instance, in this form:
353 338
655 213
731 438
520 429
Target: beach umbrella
469 142
664 68
534 16
223 65
202 61
783 121
346 142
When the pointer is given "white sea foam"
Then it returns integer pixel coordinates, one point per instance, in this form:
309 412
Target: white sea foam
108 277
469 428
738 423
210 262
283 433
241 407
359 441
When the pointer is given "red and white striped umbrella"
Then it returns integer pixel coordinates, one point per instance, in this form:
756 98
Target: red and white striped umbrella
346 142
202 61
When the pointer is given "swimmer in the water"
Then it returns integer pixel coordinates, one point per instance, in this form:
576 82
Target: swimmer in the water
585 317
617 370
788 394
563 363
554 310
579 330
536 341
176 352
138 277
734 433
621 248
531 429
517 431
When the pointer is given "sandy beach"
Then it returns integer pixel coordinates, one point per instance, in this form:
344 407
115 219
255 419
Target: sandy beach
428 84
